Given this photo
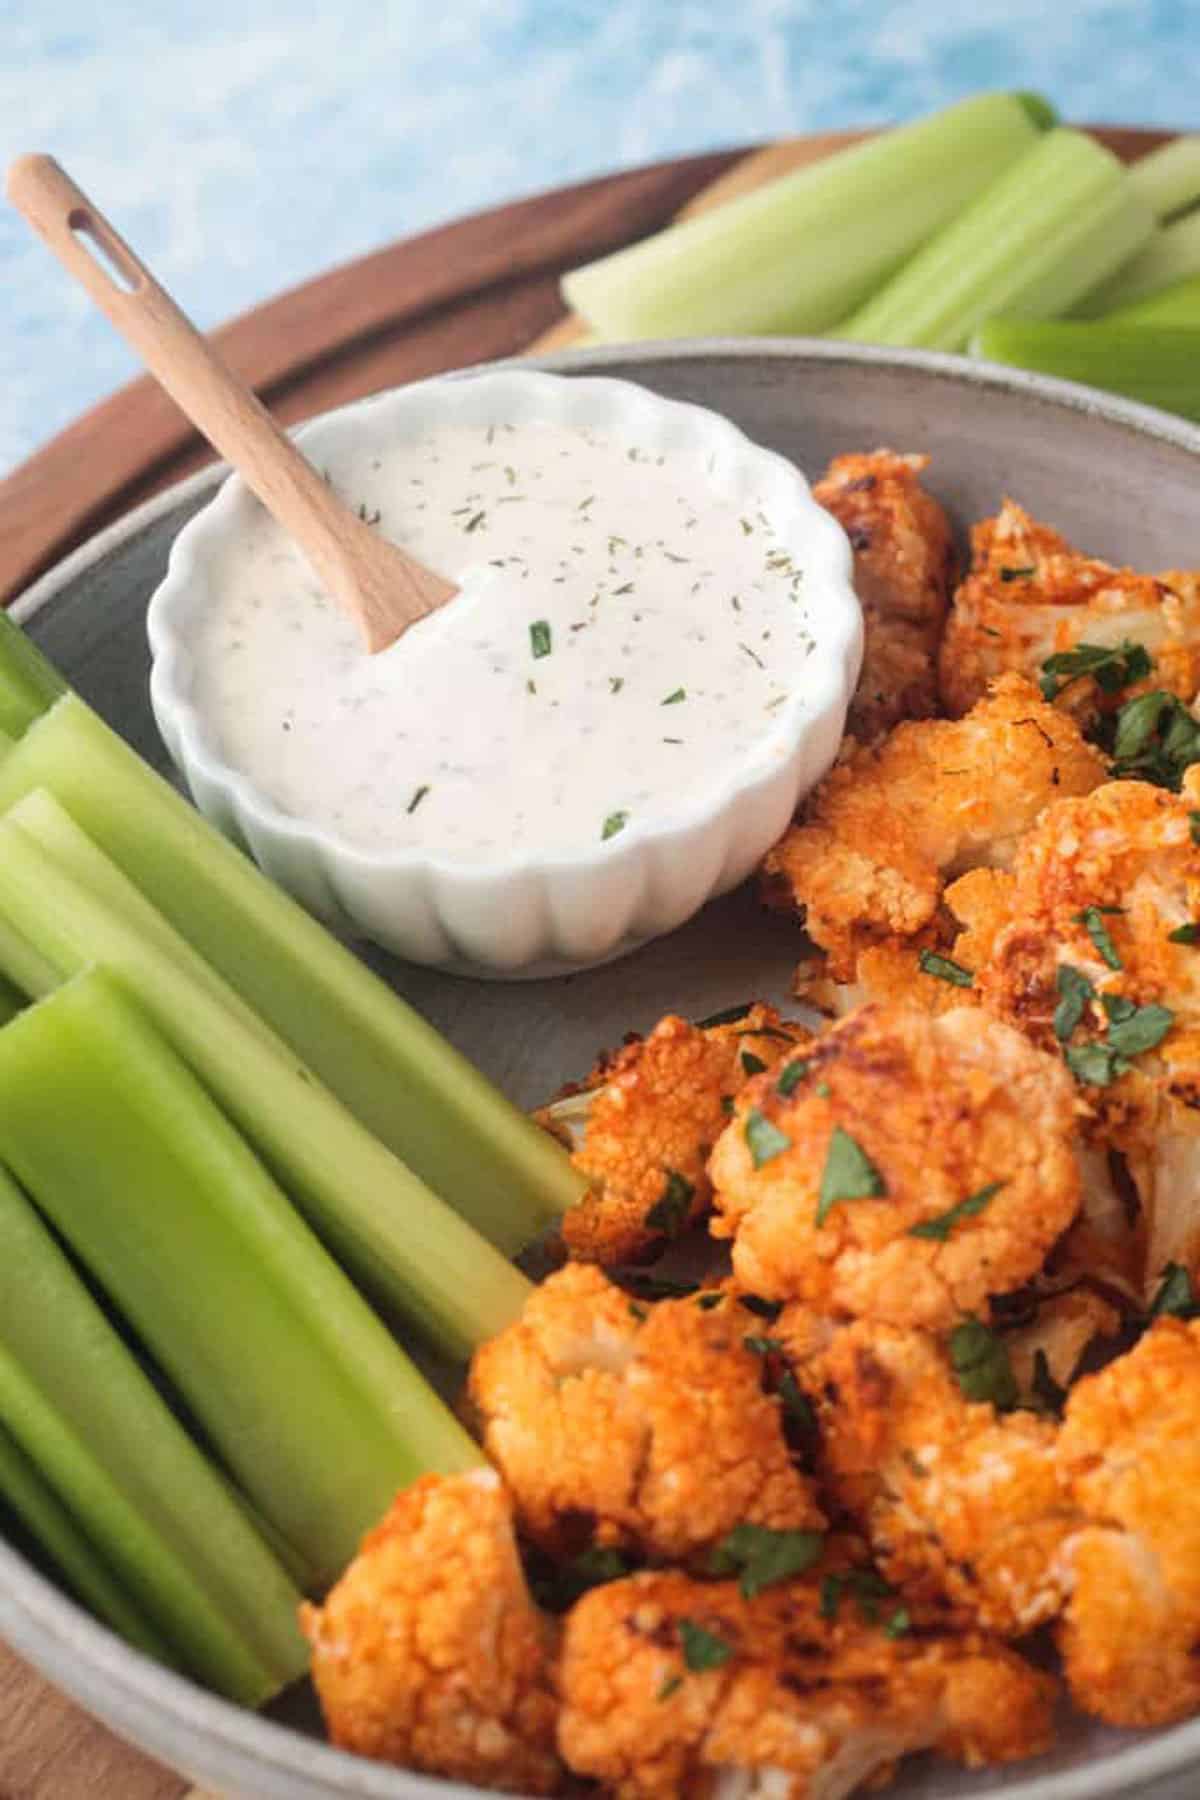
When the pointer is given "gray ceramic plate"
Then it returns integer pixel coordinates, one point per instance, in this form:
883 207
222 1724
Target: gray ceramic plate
1122 481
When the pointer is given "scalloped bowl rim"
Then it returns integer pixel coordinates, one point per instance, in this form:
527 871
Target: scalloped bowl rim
807 528
158 1708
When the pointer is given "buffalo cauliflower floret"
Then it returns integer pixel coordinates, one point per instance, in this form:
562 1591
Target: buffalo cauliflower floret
902 548
671 1686
646 1425
429 1651
1099 958
889 826
1030 596
646 1121
963 1508
1130 1451
920 1165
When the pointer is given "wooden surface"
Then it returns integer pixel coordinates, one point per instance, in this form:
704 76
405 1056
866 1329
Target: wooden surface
481 288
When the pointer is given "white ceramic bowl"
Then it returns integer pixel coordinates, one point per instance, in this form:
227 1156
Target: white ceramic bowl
529 914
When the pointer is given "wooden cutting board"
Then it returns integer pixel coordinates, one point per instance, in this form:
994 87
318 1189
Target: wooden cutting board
480 288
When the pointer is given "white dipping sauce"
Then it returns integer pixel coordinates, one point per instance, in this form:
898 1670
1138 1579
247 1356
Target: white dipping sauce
624 638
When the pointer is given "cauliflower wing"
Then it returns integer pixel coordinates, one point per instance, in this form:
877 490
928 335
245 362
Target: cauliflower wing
1130 1452
645 1425
903 556
963 1508
649 1117
1029 595
1105 893
921 1165
889 826
429 1651
671 1686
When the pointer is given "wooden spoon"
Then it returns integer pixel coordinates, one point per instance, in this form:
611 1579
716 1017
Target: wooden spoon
379 585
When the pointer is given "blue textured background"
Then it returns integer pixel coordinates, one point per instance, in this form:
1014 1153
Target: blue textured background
242 154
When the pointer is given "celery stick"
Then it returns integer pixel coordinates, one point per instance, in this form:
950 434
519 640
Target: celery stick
1160 367
1051 227
1178 304
1168 179
394 1234
800 253
314 1408
28 682
390 1067
78 1406
21 965
40 817
11 1001
1170 255
48 1521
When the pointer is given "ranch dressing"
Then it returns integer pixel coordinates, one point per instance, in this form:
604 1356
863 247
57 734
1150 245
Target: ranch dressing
626 634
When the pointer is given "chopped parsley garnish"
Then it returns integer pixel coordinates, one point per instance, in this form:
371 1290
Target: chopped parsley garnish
729 1016
702 1649
675 698
1175 1297
1075 995
898 1624
616 821
761 1307
1184 934
791 1076
1047 1395
797 1407
475 521
764 1140
1141 1029
417 799
1092 920
867 1587
1194 826
558 1586
763 1346
939 1228
615 683
1155 739
671 1684
1021 574
669 1214
539 638
761 1557
1111 667
980 1361
944 969
1097 1065
751 1064
849 1174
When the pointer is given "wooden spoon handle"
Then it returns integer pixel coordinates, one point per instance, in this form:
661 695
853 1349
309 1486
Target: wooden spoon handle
233 419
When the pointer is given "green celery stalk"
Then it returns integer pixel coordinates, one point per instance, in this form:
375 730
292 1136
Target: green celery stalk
29 684
1168 179
22 967
1160 367
1046 231
798 254
394 1234
11 1001
1169 256
89 1577
314 1408
389 1066
77 1405
1178 304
